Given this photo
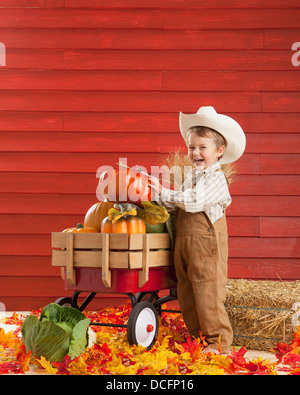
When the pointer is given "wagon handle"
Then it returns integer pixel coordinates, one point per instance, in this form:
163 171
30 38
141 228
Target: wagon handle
106 273
144 273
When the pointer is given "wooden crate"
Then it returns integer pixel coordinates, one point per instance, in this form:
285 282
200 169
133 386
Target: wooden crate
110 251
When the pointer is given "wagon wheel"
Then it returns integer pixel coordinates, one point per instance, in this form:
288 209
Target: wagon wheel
142 327
150 296
64 301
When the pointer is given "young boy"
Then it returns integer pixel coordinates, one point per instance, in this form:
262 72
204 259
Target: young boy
201 248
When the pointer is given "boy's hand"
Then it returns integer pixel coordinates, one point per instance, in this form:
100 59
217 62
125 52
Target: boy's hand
155 185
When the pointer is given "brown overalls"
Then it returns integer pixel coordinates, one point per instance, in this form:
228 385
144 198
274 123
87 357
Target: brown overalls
201 253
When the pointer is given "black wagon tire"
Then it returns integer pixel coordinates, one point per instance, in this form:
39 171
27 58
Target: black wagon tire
64 301
142 326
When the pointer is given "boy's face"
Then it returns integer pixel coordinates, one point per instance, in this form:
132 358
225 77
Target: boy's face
203 151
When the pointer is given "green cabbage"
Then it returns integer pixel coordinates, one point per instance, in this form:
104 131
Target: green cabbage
59 331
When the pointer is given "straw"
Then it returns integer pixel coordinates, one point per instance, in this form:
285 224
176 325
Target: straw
261 312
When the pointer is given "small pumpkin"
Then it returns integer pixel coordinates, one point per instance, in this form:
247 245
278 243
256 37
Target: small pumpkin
80 229
95 215
128 224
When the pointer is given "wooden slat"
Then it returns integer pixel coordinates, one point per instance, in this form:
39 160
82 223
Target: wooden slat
165 122
70 272
80 19
279 227
264 247
281 39
33 3
117 260
72 162
83 59
272 164
231 19
117 241
80 80
281 102
106 273
129 101
203 19
178 4
156 142
236 80
156 258
265 206
144 272
90 241
264 268
132 39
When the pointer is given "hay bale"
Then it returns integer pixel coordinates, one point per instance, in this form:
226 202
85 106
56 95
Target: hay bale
262 313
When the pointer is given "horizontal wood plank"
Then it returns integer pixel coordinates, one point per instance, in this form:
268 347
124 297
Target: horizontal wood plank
205 19
128 101
279 227
254 247
281 102
264 268
80 19
231 19
251 81
134 59
56 38
281 206
231 81
80 80
132 142
174 4
166 122
280 164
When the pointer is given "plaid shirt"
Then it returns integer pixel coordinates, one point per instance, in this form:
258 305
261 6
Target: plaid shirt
205 190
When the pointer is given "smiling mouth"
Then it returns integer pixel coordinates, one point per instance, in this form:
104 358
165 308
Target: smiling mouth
199 162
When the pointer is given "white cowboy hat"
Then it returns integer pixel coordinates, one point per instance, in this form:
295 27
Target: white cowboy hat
228 127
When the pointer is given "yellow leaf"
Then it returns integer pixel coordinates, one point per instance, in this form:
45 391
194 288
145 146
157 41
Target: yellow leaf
78 367
7 339
153 213
47 365
114 214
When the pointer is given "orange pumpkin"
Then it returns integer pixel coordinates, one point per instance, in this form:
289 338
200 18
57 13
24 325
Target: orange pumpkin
129 224
95 215
127 186
80 229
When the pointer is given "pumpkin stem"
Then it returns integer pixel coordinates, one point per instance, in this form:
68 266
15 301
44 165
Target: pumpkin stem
79 226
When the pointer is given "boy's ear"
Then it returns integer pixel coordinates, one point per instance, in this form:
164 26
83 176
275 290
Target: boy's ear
220 151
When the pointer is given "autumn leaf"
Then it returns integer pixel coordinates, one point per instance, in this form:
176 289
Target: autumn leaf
153 213
114 214
7 339
78 367
47 365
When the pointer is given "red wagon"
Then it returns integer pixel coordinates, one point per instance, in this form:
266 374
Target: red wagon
138 265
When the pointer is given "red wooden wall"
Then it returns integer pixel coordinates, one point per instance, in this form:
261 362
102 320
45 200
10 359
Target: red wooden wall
87 82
